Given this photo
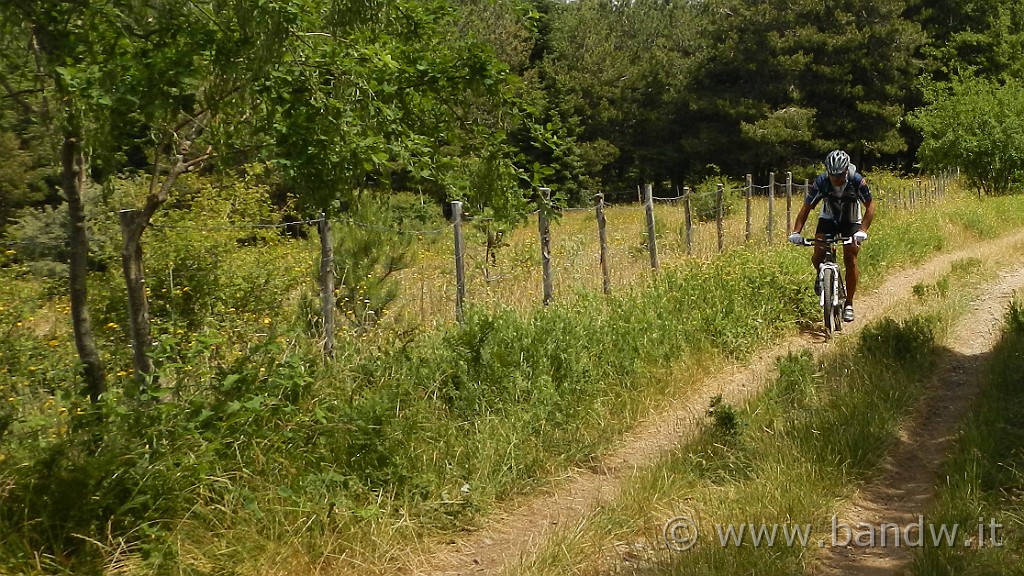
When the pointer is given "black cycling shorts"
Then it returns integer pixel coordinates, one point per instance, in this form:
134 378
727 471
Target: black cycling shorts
845 229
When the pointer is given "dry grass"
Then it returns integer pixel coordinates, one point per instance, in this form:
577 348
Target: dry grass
515 278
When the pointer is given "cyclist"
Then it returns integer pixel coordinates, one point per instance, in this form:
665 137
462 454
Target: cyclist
840 190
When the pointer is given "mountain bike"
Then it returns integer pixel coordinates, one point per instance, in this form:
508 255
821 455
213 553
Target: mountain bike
833 291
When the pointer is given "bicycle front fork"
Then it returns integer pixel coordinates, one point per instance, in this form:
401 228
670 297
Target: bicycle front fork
838 286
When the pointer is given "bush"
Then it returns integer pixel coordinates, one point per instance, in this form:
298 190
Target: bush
972 124
704 198
22 183
42 236
370 247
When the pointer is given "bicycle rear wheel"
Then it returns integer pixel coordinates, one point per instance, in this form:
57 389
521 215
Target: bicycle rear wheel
828 305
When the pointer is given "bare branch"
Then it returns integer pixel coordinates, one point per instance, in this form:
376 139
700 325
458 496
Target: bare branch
16 95
198 160
37 51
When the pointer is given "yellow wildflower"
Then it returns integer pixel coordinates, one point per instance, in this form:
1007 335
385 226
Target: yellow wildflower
53 343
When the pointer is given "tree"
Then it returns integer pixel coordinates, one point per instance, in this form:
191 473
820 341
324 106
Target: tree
21 181
336 92
166 82
841 71
613 72
52 32
979 37
973 124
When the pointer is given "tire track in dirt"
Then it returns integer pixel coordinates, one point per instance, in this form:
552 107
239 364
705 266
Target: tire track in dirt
906 486
517 532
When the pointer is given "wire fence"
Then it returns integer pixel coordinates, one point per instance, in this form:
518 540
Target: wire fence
487 262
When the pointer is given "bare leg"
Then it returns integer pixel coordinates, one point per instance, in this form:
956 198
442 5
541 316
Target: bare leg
852 273
819 254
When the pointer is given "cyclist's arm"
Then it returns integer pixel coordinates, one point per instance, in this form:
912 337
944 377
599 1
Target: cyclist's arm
801 217
864 193
869 215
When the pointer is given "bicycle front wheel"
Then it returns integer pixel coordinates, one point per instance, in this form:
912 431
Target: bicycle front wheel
828 303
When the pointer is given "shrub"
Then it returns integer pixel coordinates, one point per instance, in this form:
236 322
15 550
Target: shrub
704 198
971 124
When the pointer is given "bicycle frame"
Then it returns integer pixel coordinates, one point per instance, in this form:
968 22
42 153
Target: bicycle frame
830 278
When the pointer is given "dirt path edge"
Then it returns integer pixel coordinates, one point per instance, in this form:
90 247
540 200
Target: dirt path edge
519 530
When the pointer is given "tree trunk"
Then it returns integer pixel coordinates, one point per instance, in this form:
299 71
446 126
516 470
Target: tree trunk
73 182
133 225
327 304
138 306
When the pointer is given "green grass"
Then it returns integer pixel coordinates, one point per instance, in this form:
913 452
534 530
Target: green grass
261 458
985 474
799 449
790 455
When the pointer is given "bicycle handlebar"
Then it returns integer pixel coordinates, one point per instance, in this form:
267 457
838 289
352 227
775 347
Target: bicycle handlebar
844 240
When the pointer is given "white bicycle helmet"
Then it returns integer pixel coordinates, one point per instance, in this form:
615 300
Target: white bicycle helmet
837 162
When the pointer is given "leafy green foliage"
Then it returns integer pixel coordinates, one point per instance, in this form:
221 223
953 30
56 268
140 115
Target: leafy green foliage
971 36
380 101
973 126
704 203
42 237
22 182
369 250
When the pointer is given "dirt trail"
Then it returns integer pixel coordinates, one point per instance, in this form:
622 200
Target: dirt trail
903 492
516 534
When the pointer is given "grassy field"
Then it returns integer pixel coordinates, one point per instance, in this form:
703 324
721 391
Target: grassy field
258 457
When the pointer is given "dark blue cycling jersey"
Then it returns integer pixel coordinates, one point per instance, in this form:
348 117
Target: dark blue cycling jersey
843 205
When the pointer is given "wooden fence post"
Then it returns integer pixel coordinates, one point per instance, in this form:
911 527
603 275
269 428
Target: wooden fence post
689 220
720 216
789 201
602 236
460 262
750 194
771 206
652 244
327 283
544 227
